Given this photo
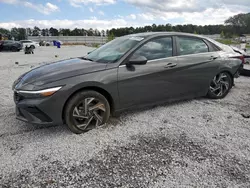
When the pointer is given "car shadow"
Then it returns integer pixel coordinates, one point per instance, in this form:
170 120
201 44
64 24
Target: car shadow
147 108
26 128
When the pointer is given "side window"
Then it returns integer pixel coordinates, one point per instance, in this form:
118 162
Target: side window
188 45
156 49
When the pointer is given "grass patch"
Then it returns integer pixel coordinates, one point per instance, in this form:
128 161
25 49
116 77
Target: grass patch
227 41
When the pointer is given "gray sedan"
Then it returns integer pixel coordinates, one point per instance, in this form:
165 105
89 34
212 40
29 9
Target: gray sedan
131 71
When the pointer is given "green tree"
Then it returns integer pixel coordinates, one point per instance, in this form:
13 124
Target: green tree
28 32
36 31
240 23
222 35
65 32
111 37
53 31
103 33
21 34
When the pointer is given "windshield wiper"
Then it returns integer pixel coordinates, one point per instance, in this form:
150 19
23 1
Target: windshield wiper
85 58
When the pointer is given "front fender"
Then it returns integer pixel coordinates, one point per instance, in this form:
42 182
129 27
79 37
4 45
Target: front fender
105 80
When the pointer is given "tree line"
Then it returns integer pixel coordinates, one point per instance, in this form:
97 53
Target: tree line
23 33
234 26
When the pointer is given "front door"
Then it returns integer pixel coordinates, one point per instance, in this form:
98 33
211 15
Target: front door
152 82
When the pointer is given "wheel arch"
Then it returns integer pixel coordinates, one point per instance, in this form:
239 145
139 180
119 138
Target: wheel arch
231 75
229 72
98 89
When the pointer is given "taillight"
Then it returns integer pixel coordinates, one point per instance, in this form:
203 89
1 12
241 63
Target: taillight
242 58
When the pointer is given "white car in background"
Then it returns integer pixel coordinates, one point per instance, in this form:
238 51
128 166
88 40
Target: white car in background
29 43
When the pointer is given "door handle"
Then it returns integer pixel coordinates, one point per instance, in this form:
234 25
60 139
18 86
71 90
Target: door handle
213 58
170 65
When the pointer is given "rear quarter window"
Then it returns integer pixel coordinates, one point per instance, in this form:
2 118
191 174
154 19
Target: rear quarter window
212 47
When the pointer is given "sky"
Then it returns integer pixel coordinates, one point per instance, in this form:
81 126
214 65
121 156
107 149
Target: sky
107 14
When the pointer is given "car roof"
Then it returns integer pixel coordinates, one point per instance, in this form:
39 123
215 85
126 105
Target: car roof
151 34
9 41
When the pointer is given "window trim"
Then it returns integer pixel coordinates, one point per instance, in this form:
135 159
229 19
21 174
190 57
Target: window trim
212 47
161 59
150 39
191 37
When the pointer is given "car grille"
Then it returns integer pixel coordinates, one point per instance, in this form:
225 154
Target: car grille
32 114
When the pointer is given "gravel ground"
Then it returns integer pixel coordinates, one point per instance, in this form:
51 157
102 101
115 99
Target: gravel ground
196 143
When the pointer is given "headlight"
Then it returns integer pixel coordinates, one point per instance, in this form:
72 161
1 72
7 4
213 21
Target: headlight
41 93
17 81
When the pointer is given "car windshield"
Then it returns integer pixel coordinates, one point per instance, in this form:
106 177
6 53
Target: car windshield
113 50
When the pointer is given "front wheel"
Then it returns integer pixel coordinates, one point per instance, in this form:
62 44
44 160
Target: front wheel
86 110
13 49
220 86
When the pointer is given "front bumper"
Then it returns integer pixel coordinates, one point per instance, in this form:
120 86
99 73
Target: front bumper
43 111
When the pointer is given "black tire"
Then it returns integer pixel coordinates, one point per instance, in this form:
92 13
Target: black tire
211 94
13 49
78 99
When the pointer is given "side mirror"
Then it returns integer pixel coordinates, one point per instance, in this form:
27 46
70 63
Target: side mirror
138 60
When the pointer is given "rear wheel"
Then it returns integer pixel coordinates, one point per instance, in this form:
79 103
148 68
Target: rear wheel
220 86
85 111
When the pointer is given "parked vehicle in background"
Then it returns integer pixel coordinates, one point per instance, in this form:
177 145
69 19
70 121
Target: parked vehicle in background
10 45
58 41
131 71
49 43
41 43
44 43
30 43
246 69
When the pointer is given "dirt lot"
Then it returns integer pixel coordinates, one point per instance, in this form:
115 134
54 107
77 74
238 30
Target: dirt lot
196 143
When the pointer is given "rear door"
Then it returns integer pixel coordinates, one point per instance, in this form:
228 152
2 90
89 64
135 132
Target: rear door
198 63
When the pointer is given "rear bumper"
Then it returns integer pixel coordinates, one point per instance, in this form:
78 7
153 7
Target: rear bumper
238 72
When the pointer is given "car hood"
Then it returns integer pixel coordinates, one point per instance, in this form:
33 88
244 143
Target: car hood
58 70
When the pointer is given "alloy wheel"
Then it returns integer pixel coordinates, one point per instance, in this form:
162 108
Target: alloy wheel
220 84
89 113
